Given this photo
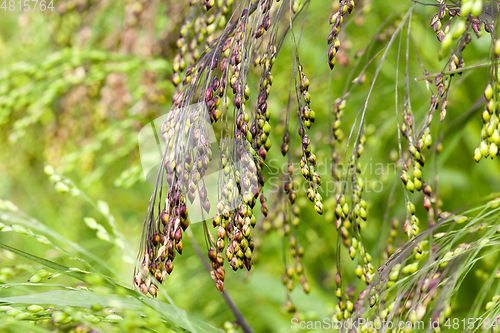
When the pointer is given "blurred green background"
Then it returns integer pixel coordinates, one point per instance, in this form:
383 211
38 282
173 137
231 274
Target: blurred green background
79 82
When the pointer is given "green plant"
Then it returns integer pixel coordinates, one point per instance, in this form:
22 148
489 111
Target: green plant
398 209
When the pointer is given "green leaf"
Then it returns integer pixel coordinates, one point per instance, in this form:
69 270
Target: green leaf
81 298
103 207
45 262
90 222
20 325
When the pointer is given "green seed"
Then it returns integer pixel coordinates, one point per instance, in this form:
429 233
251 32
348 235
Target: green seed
22 316
484 242
59 317
486 116
20 229
484 148
349 306
446 42
459 28
358 271
410 186
497 47
488 92
428 141
465 10
495 203
495 137
411 208
439 235
477 8
49 170
490 128
362 213
418 184
493 150
410 269
13 312
43 273
373 300
114 318
35 278
354 243
477 155
61 187
92 318
393 276
34 308
345 209
352 252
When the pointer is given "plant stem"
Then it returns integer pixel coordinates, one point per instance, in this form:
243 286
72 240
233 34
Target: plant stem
460 70
234 309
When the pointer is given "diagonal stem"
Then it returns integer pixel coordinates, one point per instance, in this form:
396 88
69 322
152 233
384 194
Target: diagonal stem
234 309
460 70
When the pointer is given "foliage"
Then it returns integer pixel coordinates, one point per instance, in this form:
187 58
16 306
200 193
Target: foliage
332 103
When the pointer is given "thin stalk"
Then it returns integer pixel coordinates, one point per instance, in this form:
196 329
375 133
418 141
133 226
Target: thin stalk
460 70
234 309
